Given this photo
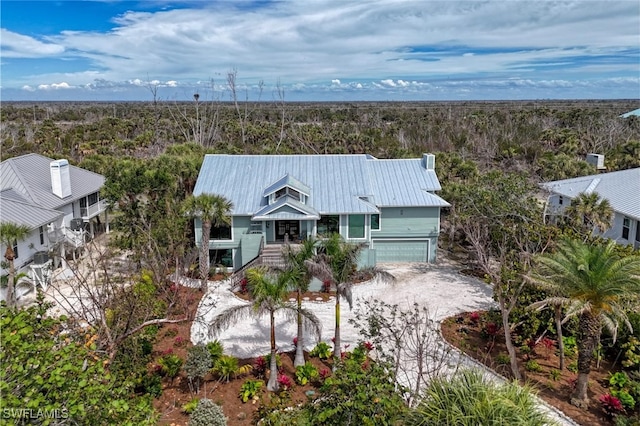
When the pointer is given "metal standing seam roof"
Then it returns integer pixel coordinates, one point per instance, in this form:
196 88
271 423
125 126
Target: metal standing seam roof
336 182
305 211
25 213
635 112
621 188
31 176
287 180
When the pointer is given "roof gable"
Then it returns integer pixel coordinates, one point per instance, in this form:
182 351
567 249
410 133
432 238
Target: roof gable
287 181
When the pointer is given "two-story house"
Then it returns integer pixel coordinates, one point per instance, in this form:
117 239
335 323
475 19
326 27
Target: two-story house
390 206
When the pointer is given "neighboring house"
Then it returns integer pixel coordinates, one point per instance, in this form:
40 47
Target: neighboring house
634 113
59 202
621 188
388 205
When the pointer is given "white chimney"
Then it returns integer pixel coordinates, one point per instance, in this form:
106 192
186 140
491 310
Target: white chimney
429 161
60 178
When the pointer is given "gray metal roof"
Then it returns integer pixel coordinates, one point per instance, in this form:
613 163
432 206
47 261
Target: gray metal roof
25 213
621 188
30 176
300 210
337 183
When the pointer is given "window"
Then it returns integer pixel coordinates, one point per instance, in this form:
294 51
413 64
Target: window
356 226
93 199
41 235
560 200
221 232
638 231
329 225
375 222
222 257
288 191
626 225
15 249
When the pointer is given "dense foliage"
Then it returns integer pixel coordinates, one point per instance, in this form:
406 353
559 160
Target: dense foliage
51 366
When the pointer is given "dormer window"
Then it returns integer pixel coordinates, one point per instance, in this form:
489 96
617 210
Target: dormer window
289 187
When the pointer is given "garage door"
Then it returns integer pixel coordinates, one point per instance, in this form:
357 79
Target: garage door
401 250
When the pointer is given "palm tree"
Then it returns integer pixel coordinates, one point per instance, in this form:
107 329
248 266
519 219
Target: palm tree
336 263
213 210
10 233
557 303
268 291
592 279
295 258
588 213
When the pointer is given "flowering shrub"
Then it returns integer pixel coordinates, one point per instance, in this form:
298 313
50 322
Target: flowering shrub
260 366
326 286
610 405
295 341
490 329
474 317
179 342
285 382
549 345
368 346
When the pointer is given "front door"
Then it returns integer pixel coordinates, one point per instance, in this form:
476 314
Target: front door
290 227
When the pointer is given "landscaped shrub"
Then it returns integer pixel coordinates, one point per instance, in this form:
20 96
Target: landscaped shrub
610 405
322 350
197 365
469 398
170 365
216 350
554 374
249 389
149 384
533 366
207 414
285 382
227 367
190 406
306 373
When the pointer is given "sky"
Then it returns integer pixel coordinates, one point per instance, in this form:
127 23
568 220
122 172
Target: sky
319 50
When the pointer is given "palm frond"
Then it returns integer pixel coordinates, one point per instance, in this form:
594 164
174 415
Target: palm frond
228 318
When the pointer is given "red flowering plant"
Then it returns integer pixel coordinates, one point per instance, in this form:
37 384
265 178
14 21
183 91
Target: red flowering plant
474 317
285 382
611 405
326 286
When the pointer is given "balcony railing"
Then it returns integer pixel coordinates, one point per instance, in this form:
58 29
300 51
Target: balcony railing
94 209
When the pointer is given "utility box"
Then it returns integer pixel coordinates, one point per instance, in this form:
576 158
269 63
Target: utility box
40 257
597 160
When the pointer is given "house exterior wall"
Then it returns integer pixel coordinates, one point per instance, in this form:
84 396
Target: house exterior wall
558 204
26 249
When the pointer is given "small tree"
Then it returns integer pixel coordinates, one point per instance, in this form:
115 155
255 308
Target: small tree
197 365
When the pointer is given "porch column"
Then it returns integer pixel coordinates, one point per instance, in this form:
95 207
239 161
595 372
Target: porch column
106 221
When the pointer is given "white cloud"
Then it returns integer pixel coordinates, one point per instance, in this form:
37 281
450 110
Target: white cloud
16 45
28 88
399 45
54 86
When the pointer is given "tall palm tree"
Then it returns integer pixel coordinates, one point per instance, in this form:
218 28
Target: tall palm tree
213 210
591 279
336 263
295 258
268 291
588 213
10 233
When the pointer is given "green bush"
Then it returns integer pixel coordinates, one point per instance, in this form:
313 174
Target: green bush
306 373
207 414
471 399
573 367
249 389
227 367
503 359
533 366
216 350
554 374
322 350
170 365
190 406
197 365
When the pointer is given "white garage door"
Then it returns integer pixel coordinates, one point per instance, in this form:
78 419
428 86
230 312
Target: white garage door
401 250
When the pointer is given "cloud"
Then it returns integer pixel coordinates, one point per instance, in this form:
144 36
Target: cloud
54 86
16 45
398 45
